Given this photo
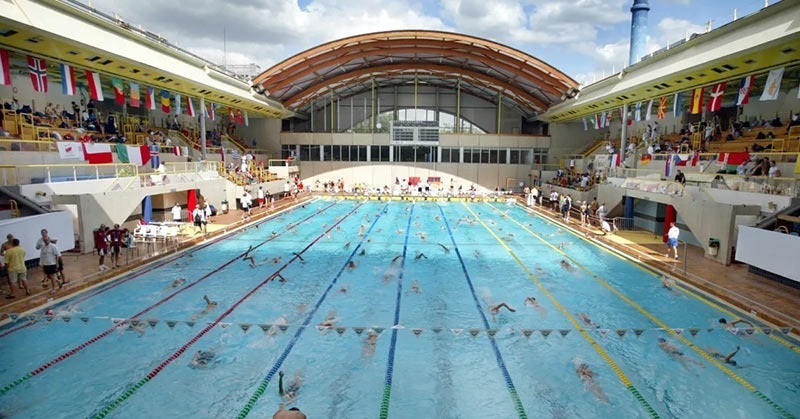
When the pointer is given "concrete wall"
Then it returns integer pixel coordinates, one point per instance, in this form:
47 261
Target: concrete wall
27 230
570 137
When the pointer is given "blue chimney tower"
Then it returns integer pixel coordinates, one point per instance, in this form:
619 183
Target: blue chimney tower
638 30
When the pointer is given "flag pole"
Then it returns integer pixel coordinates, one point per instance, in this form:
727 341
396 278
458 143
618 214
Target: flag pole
203 127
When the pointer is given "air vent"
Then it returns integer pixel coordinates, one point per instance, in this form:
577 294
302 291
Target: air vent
93 59
34 40
689 78
7 32
788 50
749 62
702 75
135 71
106 62
72 52
729 67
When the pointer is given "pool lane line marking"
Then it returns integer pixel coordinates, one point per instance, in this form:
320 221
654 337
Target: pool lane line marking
498 357
262 387
657 321
656 275
387 385
122 323
175 355
577 325
133 275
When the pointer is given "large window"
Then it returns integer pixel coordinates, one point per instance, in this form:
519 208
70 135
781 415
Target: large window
379 153
450 155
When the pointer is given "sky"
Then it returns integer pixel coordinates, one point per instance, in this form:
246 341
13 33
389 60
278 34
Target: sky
585 39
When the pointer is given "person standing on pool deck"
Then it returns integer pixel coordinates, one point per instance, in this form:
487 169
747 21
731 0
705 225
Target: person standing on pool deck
15 260
176 213
672 239
48 258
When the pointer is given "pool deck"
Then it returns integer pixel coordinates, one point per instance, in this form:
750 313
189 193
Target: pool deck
772 301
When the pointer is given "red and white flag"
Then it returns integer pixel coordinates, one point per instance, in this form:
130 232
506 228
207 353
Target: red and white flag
616 160
38 70
745 87
210 111
181 150
96 153
70 150
150 98
715 101
68 86
95 88
222 154
5 72
189 106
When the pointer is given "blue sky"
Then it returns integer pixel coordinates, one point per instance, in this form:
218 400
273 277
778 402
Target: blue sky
583 38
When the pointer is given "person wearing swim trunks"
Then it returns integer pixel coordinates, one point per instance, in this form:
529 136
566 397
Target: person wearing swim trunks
202 359
728 359
673 351
290 392
731 327
587 376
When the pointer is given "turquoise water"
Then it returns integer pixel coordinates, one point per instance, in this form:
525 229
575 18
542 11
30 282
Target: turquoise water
438 353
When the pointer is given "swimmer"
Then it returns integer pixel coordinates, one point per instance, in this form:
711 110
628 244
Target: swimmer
252 261
247 253
420 255
587 320
388 277
361 231
280 321
728 359
177 282
351 265
587 376
210 305
343 289
535 304
399 231
565 265
281 278
274 233
201 359
297 255
446 250
731 327
667 283
276 260
346 245
496 308
437 218
415 287
396 258
293 413
330 319
562 245
477 254
674 352
370 342
362 252
292 388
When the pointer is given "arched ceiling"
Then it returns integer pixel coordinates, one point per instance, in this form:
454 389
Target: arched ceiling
351 66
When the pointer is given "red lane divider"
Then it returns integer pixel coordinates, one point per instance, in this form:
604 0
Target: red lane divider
83 345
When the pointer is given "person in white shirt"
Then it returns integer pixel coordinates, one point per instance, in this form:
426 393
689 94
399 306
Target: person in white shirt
49 257
672 239
176 213
261 202
200 220
40 242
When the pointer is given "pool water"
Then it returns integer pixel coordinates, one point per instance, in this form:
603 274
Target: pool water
407 288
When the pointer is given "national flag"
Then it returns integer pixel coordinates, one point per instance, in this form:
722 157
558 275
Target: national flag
730 161
164 103
745 87
189 106
246 119
180 151
222 154
239 118
677 105
70 150
638 113
119 90
155 160
645 159
97 153
697 101
135 100
150 98
585 124
68 86
715 101
669 167
616 161
177 104
135 154
772 87
608 119
210 111
662 107
95 88
230 115
603 120
690 159
649 110
38 70
5 70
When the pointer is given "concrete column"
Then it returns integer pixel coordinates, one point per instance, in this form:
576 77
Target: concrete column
203 127
669 218
623 142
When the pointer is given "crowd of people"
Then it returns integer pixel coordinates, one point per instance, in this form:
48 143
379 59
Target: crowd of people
14 270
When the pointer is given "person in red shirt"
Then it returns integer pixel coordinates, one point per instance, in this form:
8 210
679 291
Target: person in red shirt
101 244
114 239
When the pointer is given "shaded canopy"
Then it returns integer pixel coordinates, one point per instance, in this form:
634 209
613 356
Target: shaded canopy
349 66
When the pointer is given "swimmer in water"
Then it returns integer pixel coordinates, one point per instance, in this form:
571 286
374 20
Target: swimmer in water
297 255
674 352
565 265
731 327
587 376
361 231
728 359
280 278
276 260
396 258
587 320
247 253
446 250
496 308
202 359
343 289
362 252
415 287
210 305
370 342
346 245
290 392
420 255
351 265
330 319
477 253
535 304
177 282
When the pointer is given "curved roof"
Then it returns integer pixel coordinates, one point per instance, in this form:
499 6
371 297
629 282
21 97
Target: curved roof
350 66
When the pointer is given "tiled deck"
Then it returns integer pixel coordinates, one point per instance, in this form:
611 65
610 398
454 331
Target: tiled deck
774 302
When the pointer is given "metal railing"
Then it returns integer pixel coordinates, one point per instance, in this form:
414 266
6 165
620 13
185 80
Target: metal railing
49 173
15 144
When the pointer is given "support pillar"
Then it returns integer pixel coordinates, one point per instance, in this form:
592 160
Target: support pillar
203 127
147 209
629 213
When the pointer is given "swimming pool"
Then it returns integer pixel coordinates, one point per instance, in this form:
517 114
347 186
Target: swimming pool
424 276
